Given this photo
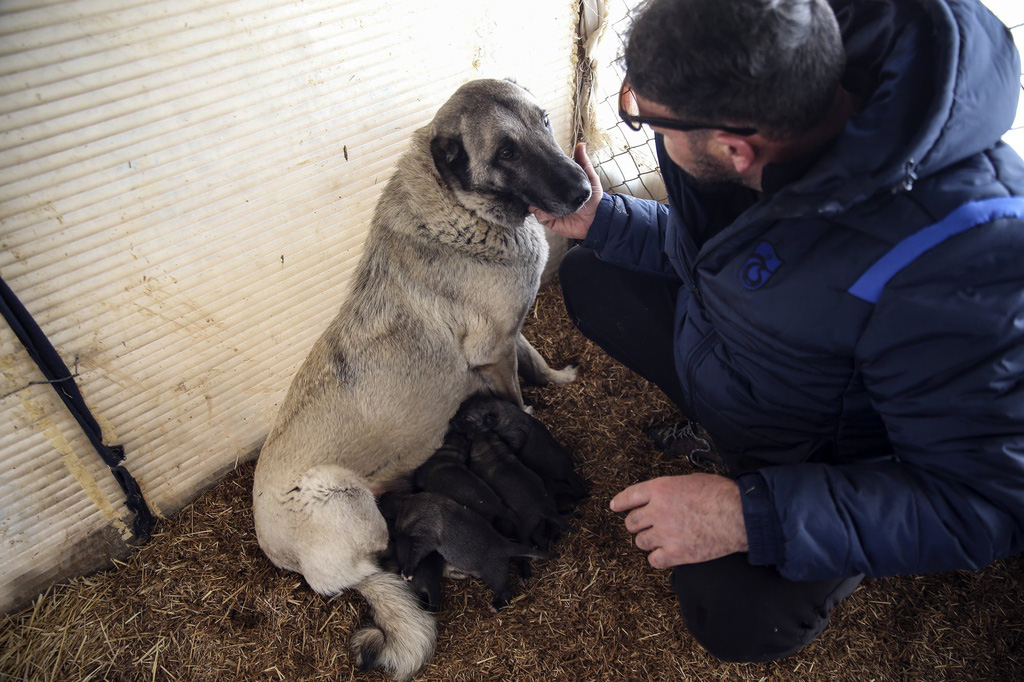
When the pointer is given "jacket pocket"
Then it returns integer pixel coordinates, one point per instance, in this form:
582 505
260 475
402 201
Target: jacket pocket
721 401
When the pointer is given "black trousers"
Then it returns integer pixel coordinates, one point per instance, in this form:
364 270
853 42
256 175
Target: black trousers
737 611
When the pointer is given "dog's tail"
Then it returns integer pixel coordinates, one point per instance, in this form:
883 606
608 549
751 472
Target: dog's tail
401 640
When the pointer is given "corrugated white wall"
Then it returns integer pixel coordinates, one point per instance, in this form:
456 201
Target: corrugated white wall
184 190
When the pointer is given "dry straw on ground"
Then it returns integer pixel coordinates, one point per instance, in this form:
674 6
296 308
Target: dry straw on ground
200 602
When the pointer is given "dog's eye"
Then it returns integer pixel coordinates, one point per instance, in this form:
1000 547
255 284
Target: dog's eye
547 121
507 153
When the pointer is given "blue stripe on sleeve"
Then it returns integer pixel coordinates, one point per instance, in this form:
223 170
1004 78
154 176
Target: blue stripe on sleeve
870 285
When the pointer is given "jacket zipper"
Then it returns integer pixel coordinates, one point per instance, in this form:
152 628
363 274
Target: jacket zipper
695 358
695 290
689 268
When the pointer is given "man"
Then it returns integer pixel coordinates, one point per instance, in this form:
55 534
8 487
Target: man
835 292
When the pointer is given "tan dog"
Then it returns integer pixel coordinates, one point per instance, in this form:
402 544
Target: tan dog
451 266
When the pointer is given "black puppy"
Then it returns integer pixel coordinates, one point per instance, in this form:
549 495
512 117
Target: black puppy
529 439
520 488
426 523
425 580
446 473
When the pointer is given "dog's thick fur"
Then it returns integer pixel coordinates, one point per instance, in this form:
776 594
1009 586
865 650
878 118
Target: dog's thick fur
451 265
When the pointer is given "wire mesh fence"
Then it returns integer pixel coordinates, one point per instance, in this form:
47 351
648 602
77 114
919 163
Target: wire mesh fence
628 163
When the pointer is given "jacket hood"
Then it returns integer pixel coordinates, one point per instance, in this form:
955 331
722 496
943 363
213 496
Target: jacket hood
940 80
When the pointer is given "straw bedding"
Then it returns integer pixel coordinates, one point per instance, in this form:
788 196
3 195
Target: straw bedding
200 602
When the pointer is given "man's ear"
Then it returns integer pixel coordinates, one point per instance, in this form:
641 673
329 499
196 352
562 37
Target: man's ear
737 148
450 159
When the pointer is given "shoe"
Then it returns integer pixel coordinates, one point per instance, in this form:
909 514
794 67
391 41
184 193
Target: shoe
685 438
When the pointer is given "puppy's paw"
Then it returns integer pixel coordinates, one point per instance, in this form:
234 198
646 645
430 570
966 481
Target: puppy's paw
500 601
454 573
528 409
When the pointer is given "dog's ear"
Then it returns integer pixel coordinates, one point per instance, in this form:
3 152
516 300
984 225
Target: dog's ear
451 159
513 81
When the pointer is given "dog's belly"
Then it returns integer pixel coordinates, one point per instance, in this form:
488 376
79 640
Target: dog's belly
383 424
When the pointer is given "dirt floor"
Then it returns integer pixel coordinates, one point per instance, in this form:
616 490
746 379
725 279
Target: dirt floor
200 602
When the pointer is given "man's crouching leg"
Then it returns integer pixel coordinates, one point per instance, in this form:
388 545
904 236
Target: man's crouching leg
630 315
750 614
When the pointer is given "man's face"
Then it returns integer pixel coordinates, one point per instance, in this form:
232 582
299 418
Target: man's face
693 151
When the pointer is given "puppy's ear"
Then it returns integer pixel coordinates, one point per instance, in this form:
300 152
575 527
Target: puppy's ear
451 159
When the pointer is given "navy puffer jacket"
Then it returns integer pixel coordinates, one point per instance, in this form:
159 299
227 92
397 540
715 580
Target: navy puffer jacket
854 339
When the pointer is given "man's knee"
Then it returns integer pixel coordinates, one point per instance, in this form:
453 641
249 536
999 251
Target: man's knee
576 276
574 261
753 640
750 614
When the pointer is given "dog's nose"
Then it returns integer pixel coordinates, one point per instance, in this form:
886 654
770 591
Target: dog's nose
581 198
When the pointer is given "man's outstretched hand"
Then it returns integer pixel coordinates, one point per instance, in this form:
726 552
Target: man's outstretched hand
576 225
684 519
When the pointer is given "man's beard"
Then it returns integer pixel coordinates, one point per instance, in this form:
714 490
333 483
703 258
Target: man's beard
709 175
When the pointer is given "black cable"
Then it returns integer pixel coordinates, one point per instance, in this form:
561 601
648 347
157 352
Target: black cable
59 376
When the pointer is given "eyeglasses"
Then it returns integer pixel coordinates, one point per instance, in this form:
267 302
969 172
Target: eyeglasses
629 112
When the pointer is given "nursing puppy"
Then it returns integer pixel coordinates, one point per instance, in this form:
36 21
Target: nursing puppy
428 523
529 439
451 265
447 473
425 581
521 489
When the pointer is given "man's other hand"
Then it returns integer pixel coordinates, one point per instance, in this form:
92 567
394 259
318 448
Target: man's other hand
576 225
684 519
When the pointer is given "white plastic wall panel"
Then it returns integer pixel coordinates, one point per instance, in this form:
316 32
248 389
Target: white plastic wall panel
184 191
1011 12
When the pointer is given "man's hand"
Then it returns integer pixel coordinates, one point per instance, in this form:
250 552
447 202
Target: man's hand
684 519
576 225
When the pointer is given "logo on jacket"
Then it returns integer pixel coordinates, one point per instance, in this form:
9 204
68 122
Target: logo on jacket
761 265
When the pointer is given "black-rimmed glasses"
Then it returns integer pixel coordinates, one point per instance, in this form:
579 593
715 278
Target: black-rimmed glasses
629 112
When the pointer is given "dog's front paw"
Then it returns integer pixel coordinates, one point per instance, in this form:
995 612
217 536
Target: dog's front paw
563 376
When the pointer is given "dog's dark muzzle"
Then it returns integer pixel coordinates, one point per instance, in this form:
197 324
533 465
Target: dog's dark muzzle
559 188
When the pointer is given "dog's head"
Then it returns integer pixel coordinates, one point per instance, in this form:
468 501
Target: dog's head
492 144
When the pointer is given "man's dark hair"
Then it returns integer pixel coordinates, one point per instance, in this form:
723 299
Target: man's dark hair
770 64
